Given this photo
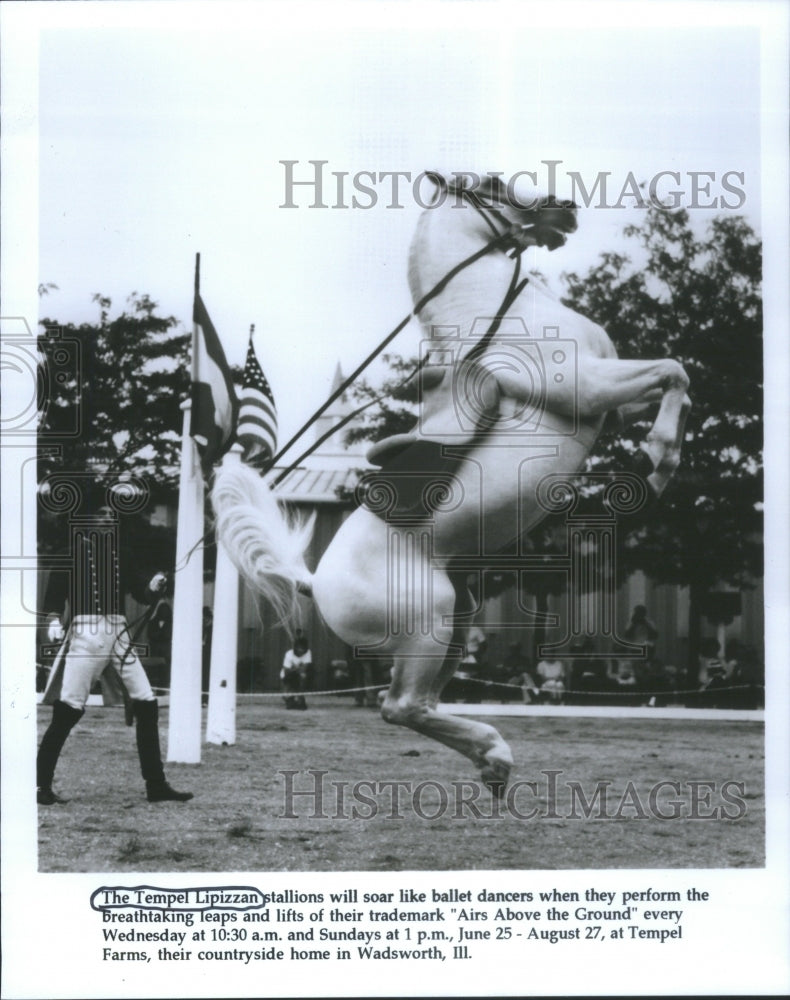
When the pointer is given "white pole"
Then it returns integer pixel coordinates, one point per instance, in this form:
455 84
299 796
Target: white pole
221 719
185 665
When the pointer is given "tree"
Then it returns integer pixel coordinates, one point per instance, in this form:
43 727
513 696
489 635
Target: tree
112 407
391 406
696 299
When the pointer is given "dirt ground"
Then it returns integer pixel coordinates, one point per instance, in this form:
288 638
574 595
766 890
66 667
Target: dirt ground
241 820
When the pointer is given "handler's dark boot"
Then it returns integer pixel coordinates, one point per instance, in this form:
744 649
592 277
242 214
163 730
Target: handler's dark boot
156 786
64 719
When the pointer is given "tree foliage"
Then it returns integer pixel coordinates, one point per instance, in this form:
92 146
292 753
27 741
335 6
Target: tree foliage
391 406
696 299
123 394
110 396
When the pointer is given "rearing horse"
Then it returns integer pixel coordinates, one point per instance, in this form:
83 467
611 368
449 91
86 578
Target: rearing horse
514 386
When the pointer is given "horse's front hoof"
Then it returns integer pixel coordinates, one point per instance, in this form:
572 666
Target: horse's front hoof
495 777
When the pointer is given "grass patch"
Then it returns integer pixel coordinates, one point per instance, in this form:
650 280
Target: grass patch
239 821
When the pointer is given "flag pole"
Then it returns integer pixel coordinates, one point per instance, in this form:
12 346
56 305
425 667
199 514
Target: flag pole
186 654
221 716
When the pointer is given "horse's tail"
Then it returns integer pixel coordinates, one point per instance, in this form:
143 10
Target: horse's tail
266 545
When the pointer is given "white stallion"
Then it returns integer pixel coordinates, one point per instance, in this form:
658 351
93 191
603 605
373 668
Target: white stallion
514 386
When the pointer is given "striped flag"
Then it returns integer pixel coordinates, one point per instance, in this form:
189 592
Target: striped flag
257 427
214 401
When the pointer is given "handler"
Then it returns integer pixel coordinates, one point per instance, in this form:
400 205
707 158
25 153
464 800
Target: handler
99 640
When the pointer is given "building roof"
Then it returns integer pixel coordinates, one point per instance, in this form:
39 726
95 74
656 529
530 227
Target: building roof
333 465
315 485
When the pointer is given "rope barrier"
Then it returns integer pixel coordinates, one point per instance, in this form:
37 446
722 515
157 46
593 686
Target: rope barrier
497 684
630 693
624 694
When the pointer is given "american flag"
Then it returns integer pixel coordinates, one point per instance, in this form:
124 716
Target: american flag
257 427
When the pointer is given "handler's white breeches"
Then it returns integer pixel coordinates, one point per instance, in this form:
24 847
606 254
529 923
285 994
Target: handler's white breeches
94 642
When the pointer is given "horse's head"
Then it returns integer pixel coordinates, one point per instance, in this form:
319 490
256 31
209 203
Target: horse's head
536 218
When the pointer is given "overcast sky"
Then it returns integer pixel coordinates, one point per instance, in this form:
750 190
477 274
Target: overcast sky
163 136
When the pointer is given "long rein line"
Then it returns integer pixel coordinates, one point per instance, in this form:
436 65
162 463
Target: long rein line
514 290
437 289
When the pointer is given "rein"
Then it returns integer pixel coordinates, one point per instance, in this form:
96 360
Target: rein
498 242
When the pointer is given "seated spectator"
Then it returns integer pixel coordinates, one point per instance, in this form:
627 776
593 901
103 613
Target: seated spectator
339 674
580 664
515 661
709 663
748 679
467 685
365 680
530 692
718 687
505 675
595 686
656 682
551 677
476 644
732 657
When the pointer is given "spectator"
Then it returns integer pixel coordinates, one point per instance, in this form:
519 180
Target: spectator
295 671
581 664
595 686
466 680
515 671
748 678
339 674
365 674
709 663
509 672
515 661
551 677
530 691
477 644
642 631
655 683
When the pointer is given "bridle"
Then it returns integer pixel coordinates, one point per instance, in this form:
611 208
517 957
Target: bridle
491 216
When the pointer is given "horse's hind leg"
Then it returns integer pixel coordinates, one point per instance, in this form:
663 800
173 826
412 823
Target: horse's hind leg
411 702
394 598
418 678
